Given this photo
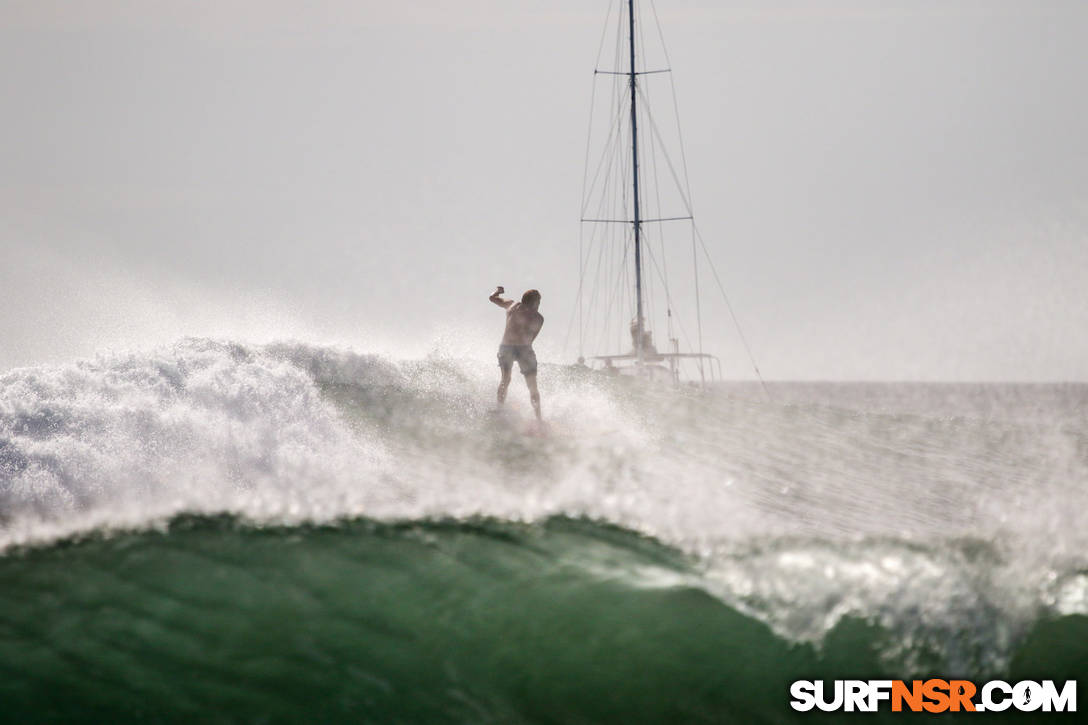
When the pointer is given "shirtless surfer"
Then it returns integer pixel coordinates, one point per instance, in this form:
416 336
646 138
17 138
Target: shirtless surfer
523 323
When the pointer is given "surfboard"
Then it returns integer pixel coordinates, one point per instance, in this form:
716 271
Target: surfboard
536 428
510 417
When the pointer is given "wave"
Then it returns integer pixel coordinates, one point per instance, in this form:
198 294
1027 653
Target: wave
563 620
940 542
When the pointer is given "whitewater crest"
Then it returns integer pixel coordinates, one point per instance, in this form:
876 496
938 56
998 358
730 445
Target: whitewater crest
201 426
952 533
284 432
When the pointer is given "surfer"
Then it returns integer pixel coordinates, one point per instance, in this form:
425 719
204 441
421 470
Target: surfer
523 323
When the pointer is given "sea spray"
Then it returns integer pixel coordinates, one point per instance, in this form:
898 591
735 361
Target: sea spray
839 530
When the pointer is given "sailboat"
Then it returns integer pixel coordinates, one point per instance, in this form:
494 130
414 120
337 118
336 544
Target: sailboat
633 225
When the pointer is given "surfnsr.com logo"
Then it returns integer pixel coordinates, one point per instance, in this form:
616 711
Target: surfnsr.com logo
933 696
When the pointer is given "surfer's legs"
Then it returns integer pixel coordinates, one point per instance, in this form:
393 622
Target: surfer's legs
534 394
506 365
503 385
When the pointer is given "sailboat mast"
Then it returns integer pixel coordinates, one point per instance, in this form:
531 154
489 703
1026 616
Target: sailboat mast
639 324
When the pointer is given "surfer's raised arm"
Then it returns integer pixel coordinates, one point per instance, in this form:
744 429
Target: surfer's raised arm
498 299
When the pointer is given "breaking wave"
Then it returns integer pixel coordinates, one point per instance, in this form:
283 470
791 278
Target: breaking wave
289 522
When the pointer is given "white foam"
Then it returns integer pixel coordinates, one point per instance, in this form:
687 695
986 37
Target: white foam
803 515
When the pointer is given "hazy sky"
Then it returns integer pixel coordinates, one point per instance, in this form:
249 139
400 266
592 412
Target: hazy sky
890 190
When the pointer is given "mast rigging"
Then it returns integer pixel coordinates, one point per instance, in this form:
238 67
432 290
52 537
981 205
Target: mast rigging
639 324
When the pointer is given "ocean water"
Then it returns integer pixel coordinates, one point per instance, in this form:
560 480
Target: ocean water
284 533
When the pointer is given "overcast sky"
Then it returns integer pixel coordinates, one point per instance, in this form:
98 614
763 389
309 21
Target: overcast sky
891 190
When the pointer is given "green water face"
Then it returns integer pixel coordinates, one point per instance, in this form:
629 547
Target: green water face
568 621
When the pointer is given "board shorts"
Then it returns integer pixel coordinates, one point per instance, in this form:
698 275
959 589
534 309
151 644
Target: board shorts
522 353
